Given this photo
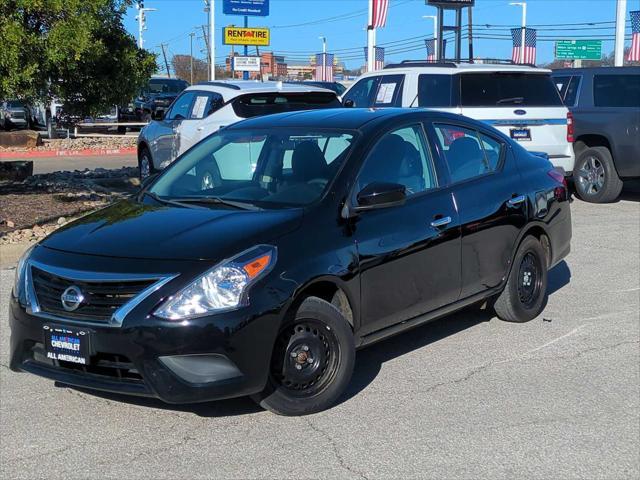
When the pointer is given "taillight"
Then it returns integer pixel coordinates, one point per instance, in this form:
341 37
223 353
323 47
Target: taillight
570 127
561 191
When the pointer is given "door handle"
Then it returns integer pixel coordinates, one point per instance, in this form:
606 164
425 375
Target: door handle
200 129
441 222
516 200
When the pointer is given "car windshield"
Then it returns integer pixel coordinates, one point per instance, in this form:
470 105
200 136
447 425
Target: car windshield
166 86
274 168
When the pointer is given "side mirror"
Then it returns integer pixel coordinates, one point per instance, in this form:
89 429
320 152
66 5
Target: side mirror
381 195
158 115
348 103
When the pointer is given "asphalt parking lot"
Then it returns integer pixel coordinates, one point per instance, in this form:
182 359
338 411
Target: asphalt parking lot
467 396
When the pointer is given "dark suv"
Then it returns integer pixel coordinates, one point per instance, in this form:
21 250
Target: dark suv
157 96
605 107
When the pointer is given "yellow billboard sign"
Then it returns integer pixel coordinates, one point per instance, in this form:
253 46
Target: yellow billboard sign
246 36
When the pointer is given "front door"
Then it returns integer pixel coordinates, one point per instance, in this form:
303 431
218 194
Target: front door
409 256
164 149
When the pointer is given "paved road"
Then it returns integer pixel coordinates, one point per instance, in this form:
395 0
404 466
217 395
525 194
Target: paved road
468 396
53 164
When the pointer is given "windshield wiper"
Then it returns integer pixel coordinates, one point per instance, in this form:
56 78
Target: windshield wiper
218 201
516 100
167 201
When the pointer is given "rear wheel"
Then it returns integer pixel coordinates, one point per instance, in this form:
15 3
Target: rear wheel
595 176
525 294
312 361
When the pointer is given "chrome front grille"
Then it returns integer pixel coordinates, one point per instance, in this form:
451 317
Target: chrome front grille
101 299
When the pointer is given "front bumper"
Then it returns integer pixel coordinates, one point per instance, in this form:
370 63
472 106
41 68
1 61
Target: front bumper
210 358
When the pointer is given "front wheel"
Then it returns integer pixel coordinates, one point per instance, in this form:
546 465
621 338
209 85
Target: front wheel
525 294
145 164
595 176
312 361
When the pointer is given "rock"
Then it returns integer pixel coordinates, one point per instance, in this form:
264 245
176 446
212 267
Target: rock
10 224
20 139
62 221
16 170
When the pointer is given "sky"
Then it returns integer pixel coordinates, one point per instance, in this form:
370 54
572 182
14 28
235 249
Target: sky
296 25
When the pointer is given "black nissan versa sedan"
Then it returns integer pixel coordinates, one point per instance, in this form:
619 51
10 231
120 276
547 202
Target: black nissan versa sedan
270 251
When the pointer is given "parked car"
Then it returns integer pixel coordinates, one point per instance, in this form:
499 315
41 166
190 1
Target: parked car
15 114
605 110
336 87
202 109
155 98
520 101
258 262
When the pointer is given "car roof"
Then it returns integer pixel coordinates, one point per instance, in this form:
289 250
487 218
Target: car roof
234 88
592 70
343 118
450 68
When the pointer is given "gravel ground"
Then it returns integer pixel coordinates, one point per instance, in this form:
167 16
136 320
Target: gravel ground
464 397
81 143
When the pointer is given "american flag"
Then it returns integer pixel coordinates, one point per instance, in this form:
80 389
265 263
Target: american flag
530 38
378 57
634 52
430 43
324 70
378 10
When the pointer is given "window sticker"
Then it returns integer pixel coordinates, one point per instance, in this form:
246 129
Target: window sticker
199 106
385 93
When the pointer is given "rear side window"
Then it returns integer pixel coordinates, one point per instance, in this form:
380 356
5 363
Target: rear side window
205 104
568 88
616 91
257 104
389 91
508 89
434 90
468 153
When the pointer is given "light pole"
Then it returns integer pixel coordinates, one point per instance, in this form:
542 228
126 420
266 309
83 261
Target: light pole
142 21
435 34
324 57
621 14
524 27
191 55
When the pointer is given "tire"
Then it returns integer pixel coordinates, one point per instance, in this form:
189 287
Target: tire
145 164
302 381
595 177
525 294
146 117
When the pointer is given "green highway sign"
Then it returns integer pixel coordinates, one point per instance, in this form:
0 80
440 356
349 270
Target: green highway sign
579 49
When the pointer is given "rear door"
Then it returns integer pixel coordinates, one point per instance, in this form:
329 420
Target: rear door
525 106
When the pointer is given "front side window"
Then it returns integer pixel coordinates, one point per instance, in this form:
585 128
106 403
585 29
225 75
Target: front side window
361 94
468 154
181 107
389 91
568 88
271 169
501 89
616 91
400 157
434 90
204 104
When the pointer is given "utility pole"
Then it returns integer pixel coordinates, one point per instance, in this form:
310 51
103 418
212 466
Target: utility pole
371 40
206 42
435 34
524 27
245 74
164 54
470 20
191 35
142 21
212 39
324 59
621 15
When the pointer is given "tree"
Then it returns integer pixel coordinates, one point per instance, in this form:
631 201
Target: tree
75 50
182 67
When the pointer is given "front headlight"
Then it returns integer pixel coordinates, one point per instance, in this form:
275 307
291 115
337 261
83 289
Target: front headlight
224 287
19 287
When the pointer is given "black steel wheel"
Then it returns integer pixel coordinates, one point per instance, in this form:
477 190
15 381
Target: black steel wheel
312 361
525 293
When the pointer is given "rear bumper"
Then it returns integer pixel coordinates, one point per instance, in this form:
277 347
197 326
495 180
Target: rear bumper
567 162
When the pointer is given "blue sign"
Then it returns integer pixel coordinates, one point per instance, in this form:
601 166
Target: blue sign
255 8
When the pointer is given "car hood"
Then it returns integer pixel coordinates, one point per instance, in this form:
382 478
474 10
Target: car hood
129 229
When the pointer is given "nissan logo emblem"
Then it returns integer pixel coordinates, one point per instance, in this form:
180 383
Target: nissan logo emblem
71 298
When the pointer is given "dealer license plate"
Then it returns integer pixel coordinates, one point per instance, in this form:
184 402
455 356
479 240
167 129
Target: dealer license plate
67 344
521 134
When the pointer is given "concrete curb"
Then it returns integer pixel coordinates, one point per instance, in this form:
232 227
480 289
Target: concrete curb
86 152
